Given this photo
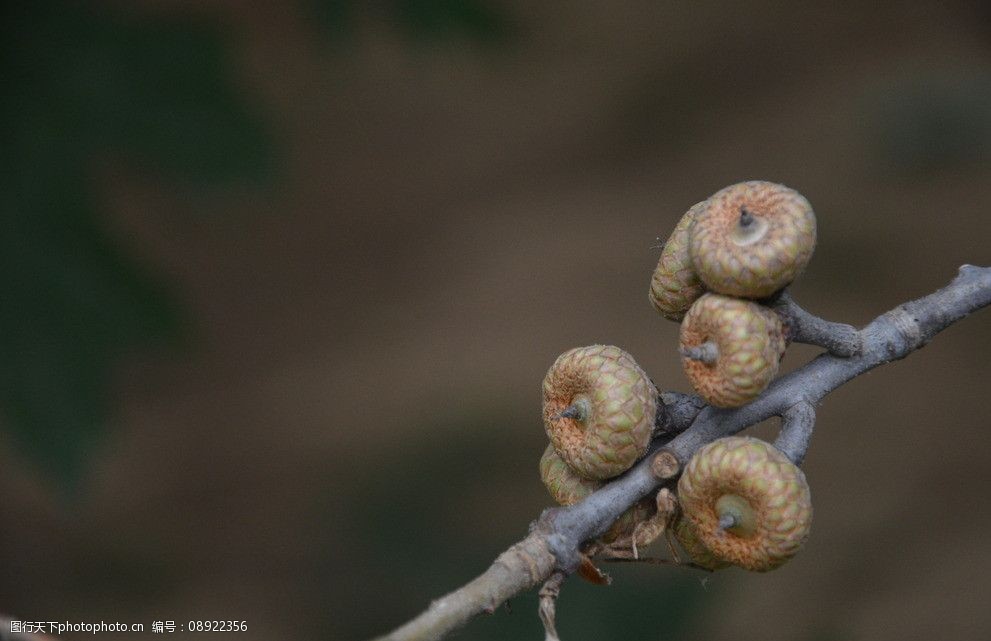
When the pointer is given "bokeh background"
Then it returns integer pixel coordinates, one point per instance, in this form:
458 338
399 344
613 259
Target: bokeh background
280 282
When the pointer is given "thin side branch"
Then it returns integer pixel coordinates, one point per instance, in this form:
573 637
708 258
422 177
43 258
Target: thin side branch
557 536
547 610
839 339
796 431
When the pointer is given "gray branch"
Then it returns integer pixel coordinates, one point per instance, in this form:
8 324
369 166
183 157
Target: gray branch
556 538
840 339
675 413
797 423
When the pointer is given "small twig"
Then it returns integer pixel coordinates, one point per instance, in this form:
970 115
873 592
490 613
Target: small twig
653 560
548 597
648 560
839 339
797 424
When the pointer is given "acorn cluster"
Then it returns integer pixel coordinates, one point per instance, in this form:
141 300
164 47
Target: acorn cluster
742 502
727 256
599 412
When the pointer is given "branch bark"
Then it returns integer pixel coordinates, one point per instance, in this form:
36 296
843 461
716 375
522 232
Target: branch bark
797 424
686 424
839 339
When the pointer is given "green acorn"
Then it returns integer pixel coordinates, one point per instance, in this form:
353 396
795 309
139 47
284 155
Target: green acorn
599 410
746 503
731 349
674 285
567 488
752 239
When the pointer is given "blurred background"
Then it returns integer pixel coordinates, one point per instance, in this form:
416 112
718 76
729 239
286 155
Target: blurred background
280 282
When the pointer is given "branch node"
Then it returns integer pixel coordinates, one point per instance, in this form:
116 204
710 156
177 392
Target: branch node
797 423
675 412
565 552
839 339
665 465
908 328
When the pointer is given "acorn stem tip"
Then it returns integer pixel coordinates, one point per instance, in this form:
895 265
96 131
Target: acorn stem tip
572 411
707 352
746 218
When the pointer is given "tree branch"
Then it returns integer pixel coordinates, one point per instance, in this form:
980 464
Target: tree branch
556 538
675 413
839 339
548 595
796 431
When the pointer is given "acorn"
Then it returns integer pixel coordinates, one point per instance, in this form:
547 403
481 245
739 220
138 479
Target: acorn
674 285
752 239
746 503
567 488
599 410
698 553
730 348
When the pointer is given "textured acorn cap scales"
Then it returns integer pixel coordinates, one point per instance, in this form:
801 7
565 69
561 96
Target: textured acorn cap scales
599 410
752 239
567 488
674 286
698 553
746 503
731 348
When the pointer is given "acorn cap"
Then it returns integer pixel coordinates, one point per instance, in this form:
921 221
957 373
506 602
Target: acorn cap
698 553
730 348
746 503
567 488
674 286
752 239
599 410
